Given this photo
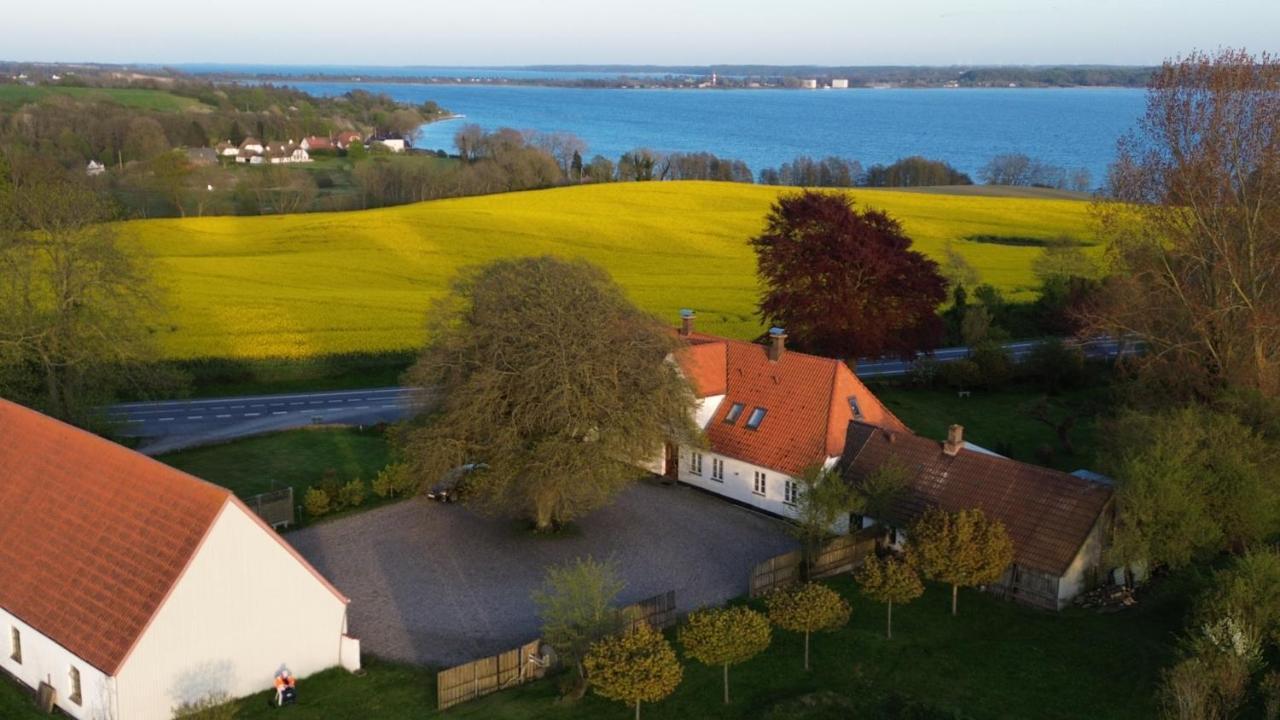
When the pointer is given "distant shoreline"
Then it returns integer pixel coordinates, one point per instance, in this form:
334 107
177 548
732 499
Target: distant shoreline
635 83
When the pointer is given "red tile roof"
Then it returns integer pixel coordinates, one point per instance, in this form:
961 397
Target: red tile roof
1049 514
93 536
808 402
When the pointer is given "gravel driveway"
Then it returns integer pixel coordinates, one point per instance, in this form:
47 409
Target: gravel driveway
437 584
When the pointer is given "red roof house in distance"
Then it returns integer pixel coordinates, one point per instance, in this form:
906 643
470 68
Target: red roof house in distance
132 588
768 414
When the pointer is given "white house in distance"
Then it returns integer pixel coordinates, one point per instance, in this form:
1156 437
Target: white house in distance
130 588
768 413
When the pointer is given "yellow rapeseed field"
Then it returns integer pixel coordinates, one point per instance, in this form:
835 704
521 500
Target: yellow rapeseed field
302 285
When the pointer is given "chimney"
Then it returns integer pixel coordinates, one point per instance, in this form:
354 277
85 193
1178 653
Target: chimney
777 343
955 440
686 322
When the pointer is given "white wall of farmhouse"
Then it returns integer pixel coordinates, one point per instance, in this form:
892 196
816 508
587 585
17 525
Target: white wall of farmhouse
737 481
244 608
44 660
706 409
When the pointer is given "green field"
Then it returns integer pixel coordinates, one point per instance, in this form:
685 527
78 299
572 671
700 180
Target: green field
305 285
12 96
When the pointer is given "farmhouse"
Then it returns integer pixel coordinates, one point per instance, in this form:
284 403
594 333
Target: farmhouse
768 414
1059 522
253 145
346 138
129 588
315 142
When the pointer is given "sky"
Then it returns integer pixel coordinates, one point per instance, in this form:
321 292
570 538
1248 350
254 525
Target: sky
666 32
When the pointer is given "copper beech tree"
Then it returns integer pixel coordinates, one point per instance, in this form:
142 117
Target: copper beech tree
845 282
551 384
1193 226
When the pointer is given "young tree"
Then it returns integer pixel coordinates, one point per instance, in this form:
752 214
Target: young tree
576 604
807 609
844 282
881 489
824 498
76 306
546 373
1194 225
637 666
725 636
961 548
889 580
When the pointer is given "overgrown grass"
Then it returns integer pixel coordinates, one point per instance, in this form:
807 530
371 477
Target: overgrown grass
294 458
997 660
12 96
333 283
1000 420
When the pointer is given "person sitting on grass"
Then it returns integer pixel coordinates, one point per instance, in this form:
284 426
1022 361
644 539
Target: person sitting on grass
286 688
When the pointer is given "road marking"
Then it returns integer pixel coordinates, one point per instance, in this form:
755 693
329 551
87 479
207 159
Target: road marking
237 407
356 400
165 419
362 407
258 405
334 401
316 402
280 412
222 416
298 403
388 406
195 417
252 414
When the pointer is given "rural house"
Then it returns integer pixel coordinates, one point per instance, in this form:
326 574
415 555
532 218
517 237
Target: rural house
768 414
253 145
346 138
1058 522
129 588
316 142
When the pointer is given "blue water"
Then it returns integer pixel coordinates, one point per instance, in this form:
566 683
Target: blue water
1075 127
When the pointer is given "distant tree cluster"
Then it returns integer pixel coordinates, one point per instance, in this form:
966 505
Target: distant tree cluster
1018 170
912 171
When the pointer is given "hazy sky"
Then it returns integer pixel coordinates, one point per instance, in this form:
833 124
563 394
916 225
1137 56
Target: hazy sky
498 32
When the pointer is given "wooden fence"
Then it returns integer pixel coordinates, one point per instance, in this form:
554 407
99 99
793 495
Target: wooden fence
275 507
842 554
659 612
487 675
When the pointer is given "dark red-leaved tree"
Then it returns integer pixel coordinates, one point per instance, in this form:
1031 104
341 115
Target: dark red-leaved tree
845 282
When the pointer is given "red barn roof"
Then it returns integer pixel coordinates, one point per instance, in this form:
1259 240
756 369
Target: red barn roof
93 536
807 401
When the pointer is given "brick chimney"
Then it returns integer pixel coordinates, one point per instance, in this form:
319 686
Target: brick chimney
955 440
686 322
777 343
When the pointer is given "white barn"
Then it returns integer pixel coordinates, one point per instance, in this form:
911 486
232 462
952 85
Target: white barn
131 588
767 414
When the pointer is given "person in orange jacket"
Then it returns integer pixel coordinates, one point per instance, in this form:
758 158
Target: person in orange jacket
285 684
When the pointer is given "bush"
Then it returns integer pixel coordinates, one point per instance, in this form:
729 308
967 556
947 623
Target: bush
393 480
1056 366
353 493
994 365
316 501
961 374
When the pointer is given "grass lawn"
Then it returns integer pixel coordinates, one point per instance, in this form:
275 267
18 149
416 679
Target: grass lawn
296 458
997 660
997 419
327 283
16 95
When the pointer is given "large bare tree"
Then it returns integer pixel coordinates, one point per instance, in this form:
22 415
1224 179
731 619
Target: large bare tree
1194 225
75 305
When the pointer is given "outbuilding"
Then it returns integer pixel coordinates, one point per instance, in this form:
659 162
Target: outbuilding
129 588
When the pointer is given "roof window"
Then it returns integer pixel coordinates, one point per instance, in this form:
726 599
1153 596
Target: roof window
735 411
757 416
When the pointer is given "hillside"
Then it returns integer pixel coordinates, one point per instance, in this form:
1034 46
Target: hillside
12 96
301 285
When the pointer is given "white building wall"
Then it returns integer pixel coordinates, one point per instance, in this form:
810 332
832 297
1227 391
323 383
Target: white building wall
1086 567
706 409
245 608
44 660
739 481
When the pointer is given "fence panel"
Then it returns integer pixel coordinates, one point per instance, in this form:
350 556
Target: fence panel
487 675
275 507
774 573
659 612
842 554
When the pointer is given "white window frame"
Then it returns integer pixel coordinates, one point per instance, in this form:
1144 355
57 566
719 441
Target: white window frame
75 695
790 492
695 462
760 486
717 469
15 645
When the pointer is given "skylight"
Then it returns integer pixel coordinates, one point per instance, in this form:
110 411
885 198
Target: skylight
734 413
757 416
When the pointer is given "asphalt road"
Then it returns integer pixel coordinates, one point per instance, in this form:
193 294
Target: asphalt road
175 424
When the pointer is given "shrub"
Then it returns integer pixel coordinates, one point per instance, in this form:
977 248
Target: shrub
1056 366
316 501
352 494
331 484
393 480
994 365
961 374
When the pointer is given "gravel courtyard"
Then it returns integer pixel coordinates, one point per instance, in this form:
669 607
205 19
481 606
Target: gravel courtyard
437 584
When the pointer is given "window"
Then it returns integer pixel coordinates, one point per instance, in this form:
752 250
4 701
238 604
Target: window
717 469
757 416
695 463
790 492
15 645
75 686
759 487
735 411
